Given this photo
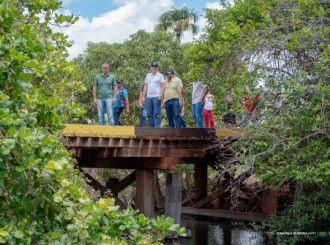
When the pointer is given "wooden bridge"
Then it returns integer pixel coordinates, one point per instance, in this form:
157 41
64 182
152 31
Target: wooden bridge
149 149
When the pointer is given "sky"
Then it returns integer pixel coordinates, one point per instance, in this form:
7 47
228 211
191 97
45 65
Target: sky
114 21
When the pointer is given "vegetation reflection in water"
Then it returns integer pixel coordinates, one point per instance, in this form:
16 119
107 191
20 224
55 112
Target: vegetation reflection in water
208 232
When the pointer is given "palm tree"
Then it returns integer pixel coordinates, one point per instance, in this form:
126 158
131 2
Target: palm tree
178 20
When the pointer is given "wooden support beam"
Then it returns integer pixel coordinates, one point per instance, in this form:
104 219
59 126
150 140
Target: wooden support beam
120 203
139 152
224 214
128 162
149 152
173 196
94 183
220 190
200 174
144 192
257 200
214 195
99 187
93 142
269 202
129 179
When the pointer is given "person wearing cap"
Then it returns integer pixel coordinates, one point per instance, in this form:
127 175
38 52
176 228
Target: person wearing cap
152 95
173 99
104 88
198 94
122 102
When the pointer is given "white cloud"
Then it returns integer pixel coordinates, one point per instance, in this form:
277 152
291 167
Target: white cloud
188 36
202 22
116 25
213 5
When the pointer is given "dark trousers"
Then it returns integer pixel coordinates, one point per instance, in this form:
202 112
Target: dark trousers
143 117
116 114
172 108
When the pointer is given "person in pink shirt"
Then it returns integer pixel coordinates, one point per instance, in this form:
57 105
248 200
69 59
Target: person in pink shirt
208 115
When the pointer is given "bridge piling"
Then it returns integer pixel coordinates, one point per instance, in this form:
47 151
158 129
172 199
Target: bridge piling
173 196
145 192
200 172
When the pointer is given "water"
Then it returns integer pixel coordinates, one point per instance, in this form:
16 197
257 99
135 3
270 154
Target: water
205 232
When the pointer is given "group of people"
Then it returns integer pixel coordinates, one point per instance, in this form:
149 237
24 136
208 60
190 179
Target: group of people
156 92
167 92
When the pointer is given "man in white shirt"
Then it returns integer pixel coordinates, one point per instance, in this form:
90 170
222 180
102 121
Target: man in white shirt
152 95
199 92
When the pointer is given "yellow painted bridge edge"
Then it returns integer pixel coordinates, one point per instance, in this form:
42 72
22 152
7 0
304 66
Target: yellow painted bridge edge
229 132
101 131
104 131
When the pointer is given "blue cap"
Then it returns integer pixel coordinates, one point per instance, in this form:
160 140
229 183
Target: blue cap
154 64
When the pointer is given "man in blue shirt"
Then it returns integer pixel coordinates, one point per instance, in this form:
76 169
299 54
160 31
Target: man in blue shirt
121 102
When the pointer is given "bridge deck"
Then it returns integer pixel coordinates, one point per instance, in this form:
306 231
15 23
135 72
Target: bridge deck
146 149
131 147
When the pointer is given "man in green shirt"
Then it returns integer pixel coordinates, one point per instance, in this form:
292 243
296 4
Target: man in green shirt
104 88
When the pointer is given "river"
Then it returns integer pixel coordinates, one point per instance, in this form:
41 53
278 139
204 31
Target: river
207 232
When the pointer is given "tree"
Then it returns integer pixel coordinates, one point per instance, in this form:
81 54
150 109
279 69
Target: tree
179 20
278 47
42 198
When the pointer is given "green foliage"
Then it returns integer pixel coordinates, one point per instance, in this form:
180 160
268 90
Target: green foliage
128 61
42 199
277 47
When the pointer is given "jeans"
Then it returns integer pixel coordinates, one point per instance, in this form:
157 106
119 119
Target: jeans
208 117
153 108
197 113
182 123
105 106
116 114
143 117
172 108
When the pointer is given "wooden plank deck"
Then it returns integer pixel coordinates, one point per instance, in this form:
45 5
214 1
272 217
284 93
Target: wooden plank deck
105 131
129 147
